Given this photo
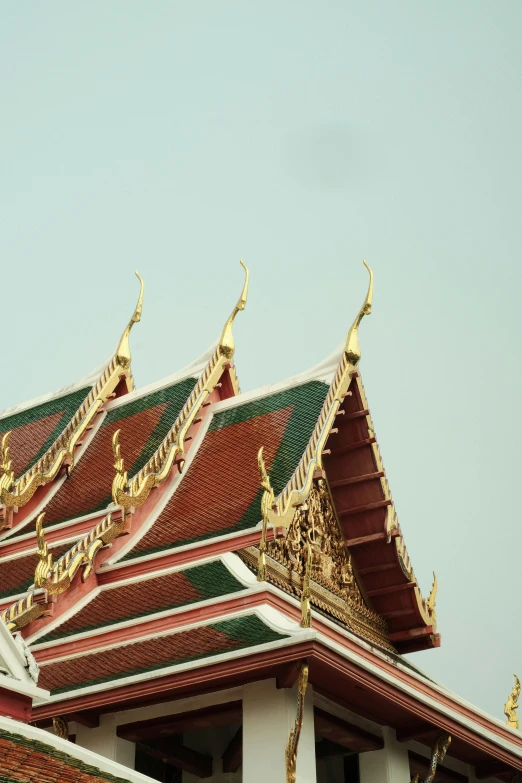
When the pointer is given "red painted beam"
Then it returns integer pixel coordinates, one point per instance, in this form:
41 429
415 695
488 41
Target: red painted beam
390 589
356 479
366 507
353 446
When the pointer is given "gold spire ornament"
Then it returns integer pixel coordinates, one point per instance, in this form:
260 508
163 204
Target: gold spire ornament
226 342
511 706
123 356
352 349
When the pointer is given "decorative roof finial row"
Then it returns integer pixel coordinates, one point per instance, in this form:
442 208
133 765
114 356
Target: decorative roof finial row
171 449
16 493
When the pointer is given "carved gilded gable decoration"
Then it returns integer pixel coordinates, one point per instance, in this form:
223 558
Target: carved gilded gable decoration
333 586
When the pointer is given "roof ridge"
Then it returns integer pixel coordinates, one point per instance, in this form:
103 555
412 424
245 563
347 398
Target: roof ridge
133 493
15 493
87 380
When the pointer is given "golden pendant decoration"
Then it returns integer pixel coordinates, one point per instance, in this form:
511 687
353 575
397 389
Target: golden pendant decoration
306 611
511 706
293 740
61 728
438 754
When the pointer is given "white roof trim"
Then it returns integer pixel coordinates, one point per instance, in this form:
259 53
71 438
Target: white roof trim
192 370
88 380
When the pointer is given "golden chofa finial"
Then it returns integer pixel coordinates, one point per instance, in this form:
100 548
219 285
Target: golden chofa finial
351 349
123 356
511 706
226 342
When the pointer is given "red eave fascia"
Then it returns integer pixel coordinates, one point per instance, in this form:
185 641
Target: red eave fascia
330 674
356 481
176 557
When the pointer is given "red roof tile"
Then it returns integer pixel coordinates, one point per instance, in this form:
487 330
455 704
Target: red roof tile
220 484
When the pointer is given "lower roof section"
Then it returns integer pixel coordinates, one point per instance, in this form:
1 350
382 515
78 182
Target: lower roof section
152 655
36 756
147 597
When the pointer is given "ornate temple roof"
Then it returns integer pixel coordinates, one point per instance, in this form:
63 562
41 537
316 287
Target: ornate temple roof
154 542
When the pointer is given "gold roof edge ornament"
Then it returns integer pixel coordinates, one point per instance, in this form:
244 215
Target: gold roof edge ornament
226 342
172 448
16 493
120 481
511 706
298 487
352 348
123 355
53 577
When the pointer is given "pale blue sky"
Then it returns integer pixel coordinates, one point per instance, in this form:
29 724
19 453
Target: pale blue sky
176 137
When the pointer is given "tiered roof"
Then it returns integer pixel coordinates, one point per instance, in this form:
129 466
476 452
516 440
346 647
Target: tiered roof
151 549
192 442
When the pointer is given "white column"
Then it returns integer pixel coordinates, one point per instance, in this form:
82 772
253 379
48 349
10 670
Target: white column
268 717
389 765
103 740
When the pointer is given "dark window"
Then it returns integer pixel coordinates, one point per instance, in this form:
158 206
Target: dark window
155 768
351 769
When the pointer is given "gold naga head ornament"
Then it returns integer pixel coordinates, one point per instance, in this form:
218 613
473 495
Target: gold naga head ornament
123 356
352 348
226 341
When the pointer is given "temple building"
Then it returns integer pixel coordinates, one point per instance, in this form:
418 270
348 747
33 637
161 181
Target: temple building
198 583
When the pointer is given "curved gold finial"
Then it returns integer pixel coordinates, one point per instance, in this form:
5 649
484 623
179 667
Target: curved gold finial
123 356
119 482
511 706
352 349
226 342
